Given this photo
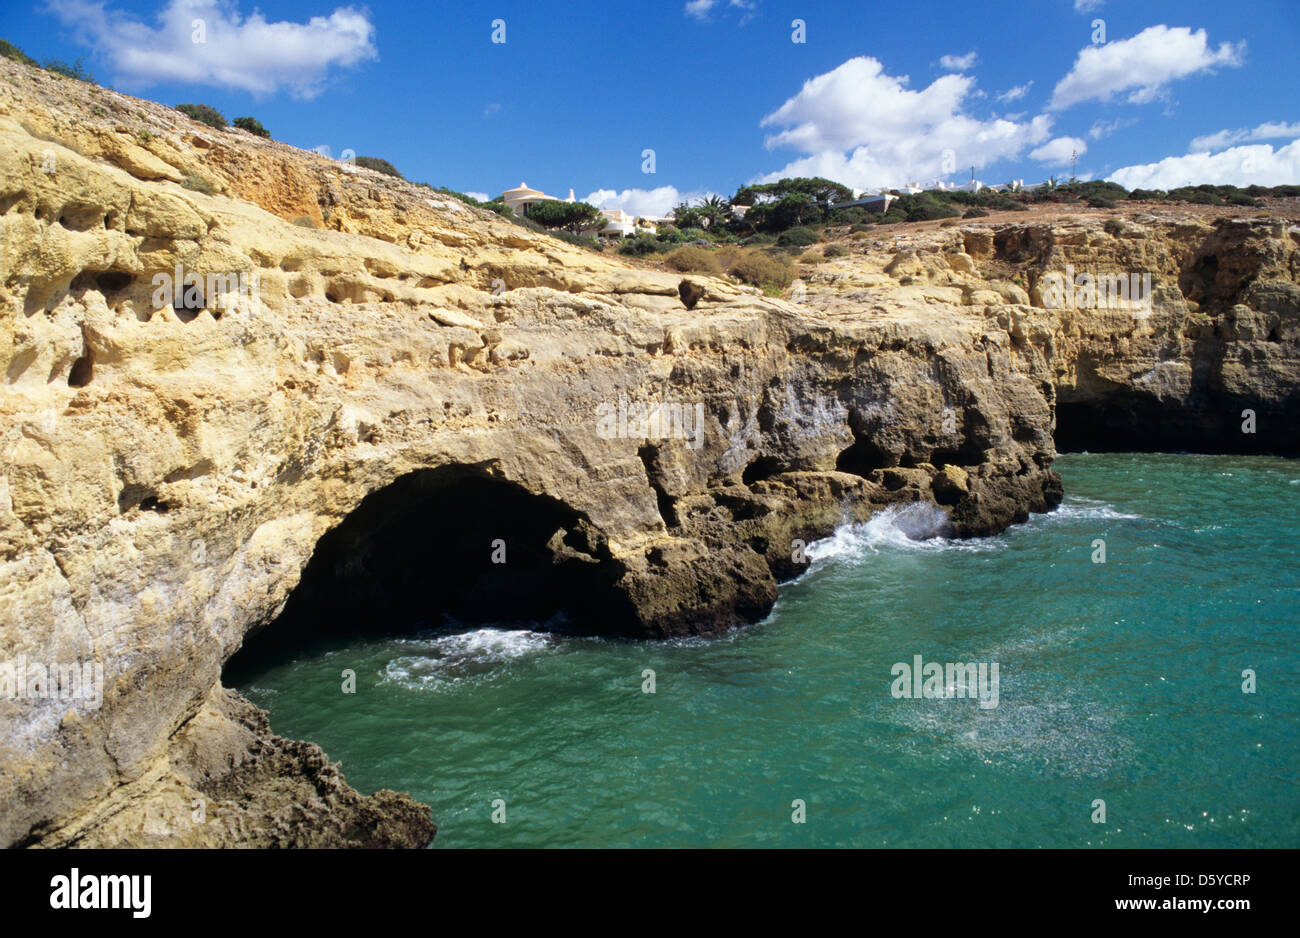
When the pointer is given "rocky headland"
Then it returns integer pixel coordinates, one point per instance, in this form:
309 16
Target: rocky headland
415 390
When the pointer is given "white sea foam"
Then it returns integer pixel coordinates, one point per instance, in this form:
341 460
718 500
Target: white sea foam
917 527
909 527
1090 509
450 659
491 645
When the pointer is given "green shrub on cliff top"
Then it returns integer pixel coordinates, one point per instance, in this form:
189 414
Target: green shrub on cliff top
760 269
797 238
379 166
640 245
204 114
253 126
11 51
694 260
926 207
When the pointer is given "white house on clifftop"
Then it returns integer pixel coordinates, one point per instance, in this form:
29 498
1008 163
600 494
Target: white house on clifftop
618 223
518 200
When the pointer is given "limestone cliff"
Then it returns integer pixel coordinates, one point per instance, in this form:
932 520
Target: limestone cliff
413 384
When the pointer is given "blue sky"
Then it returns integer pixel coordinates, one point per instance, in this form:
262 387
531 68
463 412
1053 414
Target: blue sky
878 94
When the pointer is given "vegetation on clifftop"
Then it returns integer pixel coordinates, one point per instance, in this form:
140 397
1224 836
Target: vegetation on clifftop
379 166
252 125
11 51
574 217
204 114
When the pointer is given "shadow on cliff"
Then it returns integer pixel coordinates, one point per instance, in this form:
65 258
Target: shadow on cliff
1208 419
440 548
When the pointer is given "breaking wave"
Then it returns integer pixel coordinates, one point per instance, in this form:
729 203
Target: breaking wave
452 659
917 526
920 525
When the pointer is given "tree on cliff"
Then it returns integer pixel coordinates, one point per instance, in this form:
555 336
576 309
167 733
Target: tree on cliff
711 214
790 211
575 217
818 189
787 203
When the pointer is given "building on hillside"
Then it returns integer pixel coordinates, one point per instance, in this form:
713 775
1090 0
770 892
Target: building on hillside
618 223
518 200
939 185
872 203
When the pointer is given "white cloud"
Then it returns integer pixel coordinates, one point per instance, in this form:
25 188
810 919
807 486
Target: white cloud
958 63
1060 151
1272 130
1016 92
491 109
479 196
1142 65
1100 128
700 8
247 53
655 202
1087 6
1257 165
864 128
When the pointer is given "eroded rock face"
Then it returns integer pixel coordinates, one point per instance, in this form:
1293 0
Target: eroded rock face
1220 336
175 466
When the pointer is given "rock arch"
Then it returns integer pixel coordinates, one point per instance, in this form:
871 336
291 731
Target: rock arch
449 545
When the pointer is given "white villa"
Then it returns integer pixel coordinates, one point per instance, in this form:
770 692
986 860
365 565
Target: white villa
518 200
623 225
878 200
618 223
938 185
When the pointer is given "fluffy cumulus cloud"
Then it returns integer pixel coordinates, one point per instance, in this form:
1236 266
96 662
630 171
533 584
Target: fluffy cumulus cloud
1273 130
864 128
654 202
1142 65
1059 152
247 53
958 63
1257 165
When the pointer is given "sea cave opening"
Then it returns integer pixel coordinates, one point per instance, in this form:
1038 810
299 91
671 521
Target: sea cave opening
1203 424
445 548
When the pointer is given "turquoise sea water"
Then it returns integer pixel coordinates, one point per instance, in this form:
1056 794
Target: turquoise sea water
1119 681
